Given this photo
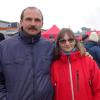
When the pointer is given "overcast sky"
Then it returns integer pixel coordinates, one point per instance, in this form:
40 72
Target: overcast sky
63 13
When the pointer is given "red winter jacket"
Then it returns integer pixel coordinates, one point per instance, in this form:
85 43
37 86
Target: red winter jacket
75 77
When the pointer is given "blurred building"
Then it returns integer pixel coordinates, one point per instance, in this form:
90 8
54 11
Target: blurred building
8 28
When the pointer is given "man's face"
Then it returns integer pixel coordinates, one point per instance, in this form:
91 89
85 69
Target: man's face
32 21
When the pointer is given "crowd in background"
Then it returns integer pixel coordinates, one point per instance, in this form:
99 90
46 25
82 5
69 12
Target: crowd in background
92 45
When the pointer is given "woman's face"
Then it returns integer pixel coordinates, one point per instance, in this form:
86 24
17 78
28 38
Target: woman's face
67 43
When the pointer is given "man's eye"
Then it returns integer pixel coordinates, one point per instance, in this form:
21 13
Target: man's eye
28 19
37 20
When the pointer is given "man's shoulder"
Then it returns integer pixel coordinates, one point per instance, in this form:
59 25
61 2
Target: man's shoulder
45 44
45 41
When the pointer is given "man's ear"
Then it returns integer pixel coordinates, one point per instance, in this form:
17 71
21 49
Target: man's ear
42 24
20 23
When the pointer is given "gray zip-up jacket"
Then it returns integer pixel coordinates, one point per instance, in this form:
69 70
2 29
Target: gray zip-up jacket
24 69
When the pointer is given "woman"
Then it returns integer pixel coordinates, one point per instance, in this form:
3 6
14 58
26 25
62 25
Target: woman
74 76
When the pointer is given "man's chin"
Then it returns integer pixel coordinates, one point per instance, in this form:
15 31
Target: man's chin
33 32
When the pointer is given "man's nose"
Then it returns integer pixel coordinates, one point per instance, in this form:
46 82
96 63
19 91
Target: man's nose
33 22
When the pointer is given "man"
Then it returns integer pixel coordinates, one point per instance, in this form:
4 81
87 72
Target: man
25 61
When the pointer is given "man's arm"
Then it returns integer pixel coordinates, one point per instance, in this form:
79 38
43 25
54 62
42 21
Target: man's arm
2 80
2 87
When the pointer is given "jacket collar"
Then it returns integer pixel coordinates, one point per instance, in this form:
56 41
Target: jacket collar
29 39
72 57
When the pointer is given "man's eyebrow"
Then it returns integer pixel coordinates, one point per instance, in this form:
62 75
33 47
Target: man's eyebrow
38 19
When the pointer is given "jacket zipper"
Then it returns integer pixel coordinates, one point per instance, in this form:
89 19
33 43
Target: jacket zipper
77 80
71 80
